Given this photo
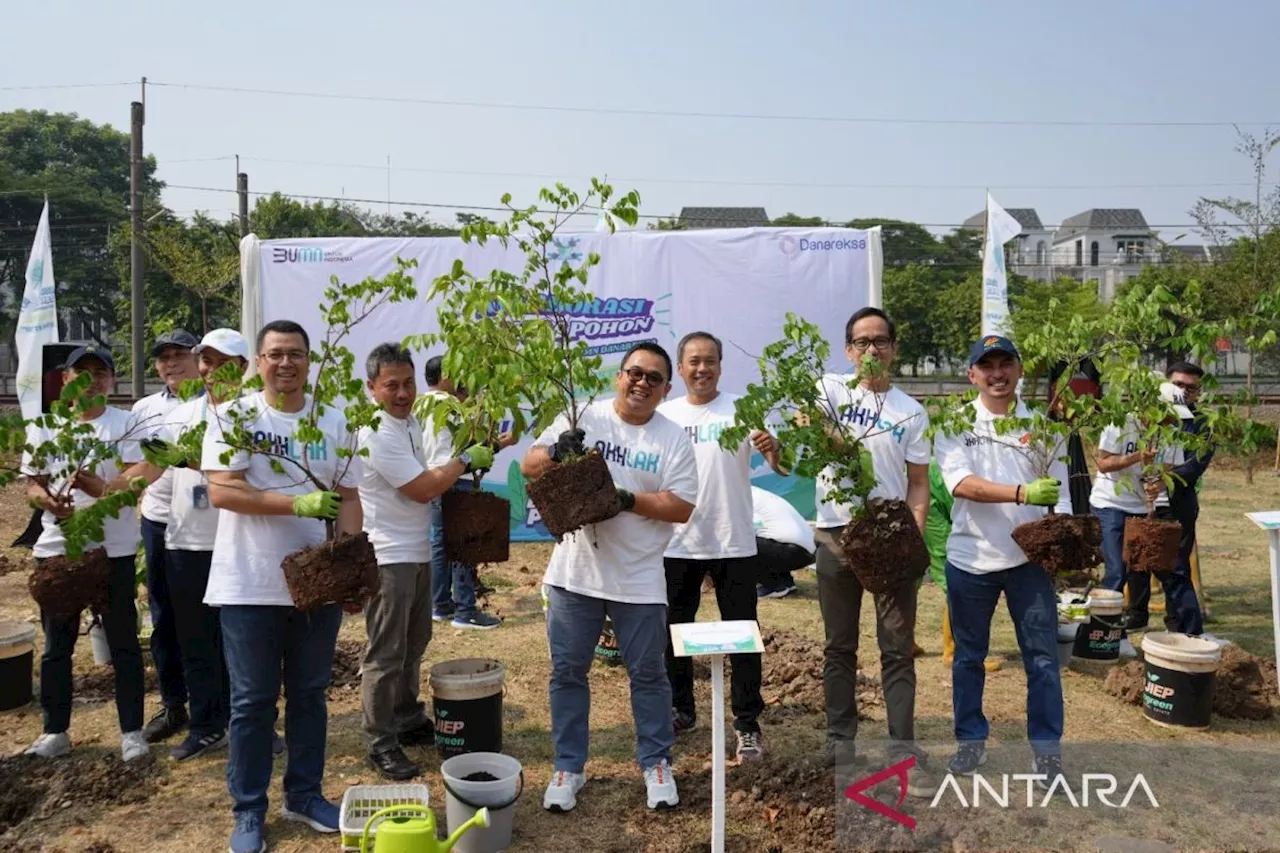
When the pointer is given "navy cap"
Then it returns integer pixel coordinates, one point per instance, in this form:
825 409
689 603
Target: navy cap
991 343
176 338
102 354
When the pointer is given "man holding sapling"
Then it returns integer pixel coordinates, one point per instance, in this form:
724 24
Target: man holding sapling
47 489
890 428
616 569
719 539
996 485
271 508
397 487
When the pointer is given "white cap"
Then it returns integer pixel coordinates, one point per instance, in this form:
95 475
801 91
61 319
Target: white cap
1171 393
226 341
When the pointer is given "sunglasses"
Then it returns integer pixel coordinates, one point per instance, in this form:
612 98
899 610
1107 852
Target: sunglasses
654 379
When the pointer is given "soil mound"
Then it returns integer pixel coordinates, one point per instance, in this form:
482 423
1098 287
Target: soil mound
32 789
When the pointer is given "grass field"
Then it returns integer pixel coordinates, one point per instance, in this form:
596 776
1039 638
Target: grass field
190 813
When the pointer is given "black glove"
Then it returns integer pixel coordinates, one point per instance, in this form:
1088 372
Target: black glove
627 499
569 444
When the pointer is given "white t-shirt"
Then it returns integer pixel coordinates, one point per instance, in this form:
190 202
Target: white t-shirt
397 526
1122 489
191 527
778 520
899 424
151 416
249 549
981 538
437 446
720 527
621 559
112 426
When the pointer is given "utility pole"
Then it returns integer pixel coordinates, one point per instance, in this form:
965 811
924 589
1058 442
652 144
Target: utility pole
136 259
242 190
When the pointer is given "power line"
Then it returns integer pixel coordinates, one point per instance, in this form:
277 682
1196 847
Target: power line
698 114
67 86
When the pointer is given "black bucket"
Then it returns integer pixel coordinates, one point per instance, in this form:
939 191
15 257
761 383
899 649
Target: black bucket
1099 639
467 697
17 653
1178 679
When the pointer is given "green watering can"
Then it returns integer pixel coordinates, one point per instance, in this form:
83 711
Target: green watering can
400 834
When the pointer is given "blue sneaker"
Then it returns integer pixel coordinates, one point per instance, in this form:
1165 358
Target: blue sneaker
249 834
441 615
316 812
477 619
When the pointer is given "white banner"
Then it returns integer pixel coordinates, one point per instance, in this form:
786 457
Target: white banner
37 319
1001 228
737 284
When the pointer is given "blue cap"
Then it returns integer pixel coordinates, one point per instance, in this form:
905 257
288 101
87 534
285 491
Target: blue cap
991 343
102 354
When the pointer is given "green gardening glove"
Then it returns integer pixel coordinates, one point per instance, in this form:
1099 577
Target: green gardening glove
317 505
481 458
1042 492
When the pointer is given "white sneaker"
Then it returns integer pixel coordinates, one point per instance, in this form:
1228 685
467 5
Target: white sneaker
562 792
661 786
133 745
50 746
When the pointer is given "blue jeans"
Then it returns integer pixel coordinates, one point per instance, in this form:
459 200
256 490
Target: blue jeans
260 643
453 588
1112 522
971 602
574 623
165 648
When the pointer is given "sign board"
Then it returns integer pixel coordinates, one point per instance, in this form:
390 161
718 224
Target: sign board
716 638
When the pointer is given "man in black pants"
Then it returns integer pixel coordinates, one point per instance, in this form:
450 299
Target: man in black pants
718 539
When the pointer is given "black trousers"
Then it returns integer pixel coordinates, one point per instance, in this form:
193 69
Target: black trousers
735 582
775 561
121 625
199 640
164 629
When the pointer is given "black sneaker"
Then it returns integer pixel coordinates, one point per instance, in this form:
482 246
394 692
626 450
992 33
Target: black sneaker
166 724
394 764
423 735
1136 622
836 753
196 744
683 721
1049 767
969 756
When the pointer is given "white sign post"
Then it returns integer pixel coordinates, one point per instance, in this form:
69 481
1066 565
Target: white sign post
1270 522
715 640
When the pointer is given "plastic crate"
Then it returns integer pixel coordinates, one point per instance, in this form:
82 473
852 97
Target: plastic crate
361 802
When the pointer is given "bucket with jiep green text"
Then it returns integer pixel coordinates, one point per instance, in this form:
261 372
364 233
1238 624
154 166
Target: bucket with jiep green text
1178 679
1098 640
467 697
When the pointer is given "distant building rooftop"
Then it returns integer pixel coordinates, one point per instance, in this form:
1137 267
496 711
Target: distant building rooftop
1026 216
723 217
1105 219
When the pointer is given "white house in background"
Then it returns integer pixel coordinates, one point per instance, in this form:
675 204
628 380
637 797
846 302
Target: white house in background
1106 245
1031 252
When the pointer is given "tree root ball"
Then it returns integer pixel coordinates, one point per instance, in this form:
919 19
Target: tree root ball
1054 542
884 547
477 527
64 587
573 495
1151 544
341 571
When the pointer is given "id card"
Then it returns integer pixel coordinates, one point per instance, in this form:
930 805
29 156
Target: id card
200 496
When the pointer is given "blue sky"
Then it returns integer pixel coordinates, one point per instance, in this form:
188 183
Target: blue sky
1088 60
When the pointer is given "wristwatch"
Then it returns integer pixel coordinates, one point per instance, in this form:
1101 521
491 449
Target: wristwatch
465 458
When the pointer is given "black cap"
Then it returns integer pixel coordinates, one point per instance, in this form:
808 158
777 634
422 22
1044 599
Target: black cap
176 338
991 343
102 354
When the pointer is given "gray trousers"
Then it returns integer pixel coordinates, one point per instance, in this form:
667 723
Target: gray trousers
840 599
398 621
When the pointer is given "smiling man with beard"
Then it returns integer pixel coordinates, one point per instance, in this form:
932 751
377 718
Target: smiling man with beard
616 569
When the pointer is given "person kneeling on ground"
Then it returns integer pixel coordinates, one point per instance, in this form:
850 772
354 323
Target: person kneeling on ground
616 569
996 488
784 543
396 490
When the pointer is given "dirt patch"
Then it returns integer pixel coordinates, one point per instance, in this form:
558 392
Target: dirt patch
477 527
342 570
1245 688
571 496
8 564
1125 682
1054 542
99 684
66 587
347 659
884 547
33 789
1151 545
793 677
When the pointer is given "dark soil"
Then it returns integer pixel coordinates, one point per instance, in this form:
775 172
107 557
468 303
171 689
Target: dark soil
571 496
1055 543
65 587
342 570
347 659
477 527
1245 688
33 789
479 776
1151 545
884 547
99 684
1089 527
792 680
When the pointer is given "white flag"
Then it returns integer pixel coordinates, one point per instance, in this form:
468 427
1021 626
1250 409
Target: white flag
37 320
1001 228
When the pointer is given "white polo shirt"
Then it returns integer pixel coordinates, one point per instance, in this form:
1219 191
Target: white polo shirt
397 526
150 417
981 538
1122 489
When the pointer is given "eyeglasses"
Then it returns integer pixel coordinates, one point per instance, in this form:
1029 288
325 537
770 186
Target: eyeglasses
654 379
1189 387
278 356
864 344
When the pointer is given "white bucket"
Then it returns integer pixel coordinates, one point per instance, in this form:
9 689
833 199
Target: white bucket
17 652
463 799
1179 679
1066 641
1106 602
101 648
